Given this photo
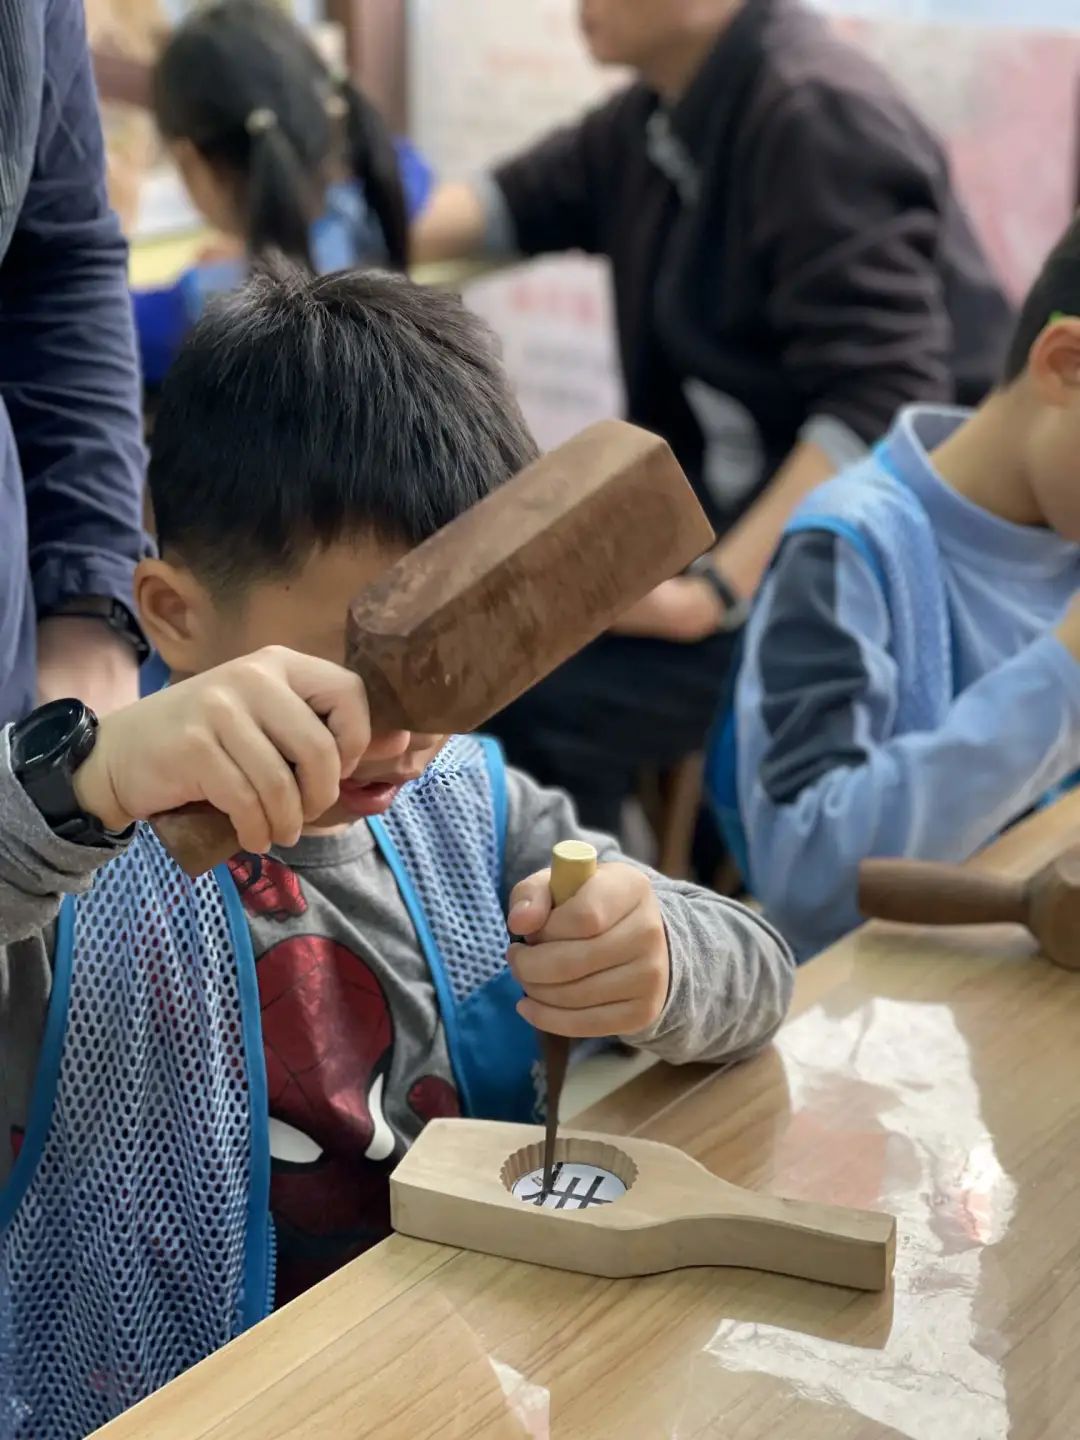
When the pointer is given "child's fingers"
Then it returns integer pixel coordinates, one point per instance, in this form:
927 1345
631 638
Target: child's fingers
322 724
638 979
339 698
624 1018
530 905
306 742
268 774
560 962
614 892
225 786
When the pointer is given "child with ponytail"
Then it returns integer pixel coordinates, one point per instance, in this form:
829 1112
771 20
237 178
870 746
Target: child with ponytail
277 152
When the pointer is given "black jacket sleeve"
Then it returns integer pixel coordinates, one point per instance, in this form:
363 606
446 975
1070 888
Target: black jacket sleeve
849 199
557 191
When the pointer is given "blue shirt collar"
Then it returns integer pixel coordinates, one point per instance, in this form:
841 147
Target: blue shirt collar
962 527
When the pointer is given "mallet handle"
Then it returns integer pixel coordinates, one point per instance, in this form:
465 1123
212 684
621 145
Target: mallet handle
916 892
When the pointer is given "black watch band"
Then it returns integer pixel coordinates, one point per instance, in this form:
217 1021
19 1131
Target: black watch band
110 612
736 608
46 750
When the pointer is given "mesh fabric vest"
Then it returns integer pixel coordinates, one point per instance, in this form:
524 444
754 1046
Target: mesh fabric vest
135 1237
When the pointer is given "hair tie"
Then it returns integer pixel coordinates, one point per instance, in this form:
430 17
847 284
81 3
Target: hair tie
260 121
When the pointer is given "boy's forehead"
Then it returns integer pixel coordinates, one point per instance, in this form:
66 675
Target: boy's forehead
342 569
307 608
316 593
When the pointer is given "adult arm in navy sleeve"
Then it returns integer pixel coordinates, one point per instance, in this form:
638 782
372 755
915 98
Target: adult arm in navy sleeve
69 380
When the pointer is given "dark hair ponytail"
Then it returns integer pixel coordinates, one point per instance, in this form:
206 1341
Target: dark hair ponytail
279 200
373 161
242 82
236 80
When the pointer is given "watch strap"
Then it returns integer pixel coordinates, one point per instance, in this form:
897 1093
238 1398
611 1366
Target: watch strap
736 607
111 612
83 829
46 750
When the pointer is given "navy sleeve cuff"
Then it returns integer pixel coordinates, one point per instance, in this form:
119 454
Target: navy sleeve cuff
69 575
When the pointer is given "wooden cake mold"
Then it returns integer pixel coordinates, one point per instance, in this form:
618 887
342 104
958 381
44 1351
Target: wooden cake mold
456 1187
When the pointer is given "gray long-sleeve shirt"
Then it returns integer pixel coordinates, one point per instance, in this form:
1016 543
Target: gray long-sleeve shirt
327 922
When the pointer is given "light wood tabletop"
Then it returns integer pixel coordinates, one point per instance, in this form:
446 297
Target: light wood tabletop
933 1075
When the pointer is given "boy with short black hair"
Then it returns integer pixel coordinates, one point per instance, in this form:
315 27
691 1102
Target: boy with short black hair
909 684
182 1059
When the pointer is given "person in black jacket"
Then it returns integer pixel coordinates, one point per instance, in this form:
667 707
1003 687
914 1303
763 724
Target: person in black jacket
791 266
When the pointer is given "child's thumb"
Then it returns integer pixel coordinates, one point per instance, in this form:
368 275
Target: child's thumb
530 905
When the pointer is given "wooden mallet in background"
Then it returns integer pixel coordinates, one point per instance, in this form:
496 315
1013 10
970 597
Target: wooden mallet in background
916 892
475 616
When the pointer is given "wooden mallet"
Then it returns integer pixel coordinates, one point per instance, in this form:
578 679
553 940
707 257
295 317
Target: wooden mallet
472 618
916 892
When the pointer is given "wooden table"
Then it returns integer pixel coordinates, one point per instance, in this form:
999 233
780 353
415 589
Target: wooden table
933 1075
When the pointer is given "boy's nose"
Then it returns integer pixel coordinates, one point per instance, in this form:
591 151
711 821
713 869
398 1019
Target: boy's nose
422 742
391 745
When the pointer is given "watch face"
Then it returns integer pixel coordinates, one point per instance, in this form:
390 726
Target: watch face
47 733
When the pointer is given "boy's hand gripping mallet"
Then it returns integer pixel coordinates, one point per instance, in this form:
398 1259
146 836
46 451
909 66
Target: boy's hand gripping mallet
469 620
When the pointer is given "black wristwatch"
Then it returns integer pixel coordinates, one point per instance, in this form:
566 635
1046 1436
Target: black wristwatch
736 607
46 750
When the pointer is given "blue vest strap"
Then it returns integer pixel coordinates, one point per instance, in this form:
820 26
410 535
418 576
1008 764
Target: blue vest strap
431 951
495 761
48 1068
844 531
257 1299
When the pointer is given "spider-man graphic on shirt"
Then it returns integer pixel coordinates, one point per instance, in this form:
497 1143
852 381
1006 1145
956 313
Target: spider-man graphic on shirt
328 1036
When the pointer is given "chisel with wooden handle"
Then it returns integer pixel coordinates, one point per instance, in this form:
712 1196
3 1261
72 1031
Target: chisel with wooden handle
573 864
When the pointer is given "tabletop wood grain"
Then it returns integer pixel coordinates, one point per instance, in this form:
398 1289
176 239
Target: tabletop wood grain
933 1075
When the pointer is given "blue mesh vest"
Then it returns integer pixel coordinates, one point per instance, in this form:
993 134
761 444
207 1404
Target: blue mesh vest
871 509
135 1235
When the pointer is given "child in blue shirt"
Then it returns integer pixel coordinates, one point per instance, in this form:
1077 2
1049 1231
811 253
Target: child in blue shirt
909 686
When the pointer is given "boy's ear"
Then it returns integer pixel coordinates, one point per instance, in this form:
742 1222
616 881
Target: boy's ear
174 609
1054 362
